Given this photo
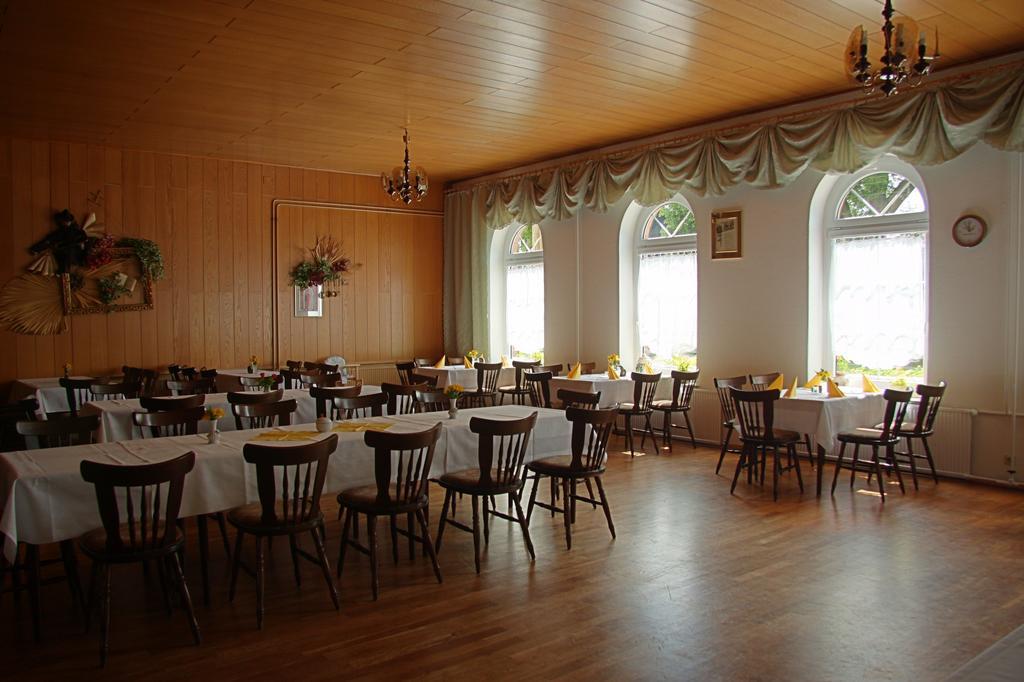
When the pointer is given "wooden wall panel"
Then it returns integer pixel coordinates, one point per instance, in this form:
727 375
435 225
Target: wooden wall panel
213 222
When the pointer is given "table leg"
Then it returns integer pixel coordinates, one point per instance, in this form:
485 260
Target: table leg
821 466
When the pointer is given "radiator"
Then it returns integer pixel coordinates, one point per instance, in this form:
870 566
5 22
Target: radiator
377 373
951 444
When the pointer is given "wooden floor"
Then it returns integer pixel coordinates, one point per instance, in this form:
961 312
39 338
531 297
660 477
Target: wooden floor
698 585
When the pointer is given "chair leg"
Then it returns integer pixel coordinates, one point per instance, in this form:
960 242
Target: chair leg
856 459
410 526
796 465
223 526
666 430
346 528
590 492
476 533
739 467
689 429
486 502
650 430
522 523
325 568
186 598
293 546
444 520
67 553
371 539
204 556
913 463
259 582
629 434
839 465
567 513
725 448
104 613
894 465
90 604
571 500
394 538
164 579
427 544
810 449
533 497
928 454
604 505
554 494
775 474
32 563
878 470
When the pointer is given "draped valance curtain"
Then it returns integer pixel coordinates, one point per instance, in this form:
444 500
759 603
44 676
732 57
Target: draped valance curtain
925 127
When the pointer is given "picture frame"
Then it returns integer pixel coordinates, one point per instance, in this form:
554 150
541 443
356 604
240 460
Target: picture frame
80 290
309 302
726 234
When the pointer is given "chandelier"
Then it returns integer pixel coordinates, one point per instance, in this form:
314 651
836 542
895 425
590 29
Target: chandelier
403 184
898 67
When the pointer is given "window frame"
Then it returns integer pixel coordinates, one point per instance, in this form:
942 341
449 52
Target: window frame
518 259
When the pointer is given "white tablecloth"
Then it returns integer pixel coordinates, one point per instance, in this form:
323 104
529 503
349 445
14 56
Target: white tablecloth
464 376
51 395
824 418
44 499
116 415
613 391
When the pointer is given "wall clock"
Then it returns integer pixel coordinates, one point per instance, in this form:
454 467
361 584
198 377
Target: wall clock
969 230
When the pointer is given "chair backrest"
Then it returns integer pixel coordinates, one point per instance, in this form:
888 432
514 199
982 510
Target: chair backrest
175 371
487 374
725 397
253 384
401 398
172 403
58 433
152 516
928 407
325 395
293 364
405 370
539 386
521 365
10 415
262 415
362 406
310 378
755 412
401 463
896 404
644 388
181 422
502 448
319 367
430 400
591 430
303 471
424 362
117 391
683 384
761 382
291 378
193 387
425 379
252 398
145 378
189 373
554 369
580 399
207 373
77 391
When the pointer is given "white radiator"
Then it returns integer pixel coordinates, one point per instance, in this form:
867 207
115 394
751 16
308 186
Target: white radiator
951 444
377 373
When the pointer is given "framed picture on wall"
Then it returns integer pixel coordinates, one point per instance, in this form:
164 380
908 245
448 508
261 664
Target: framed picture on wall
308 302
726 234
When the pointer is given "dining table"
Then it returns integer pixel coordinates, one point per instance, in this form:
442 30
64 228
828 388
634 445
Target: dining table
43 498
51 396
464 376
613 391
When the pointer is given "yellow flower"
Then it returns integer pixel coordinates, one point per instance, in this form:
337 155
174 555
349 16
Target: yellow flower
253 360
614 360
213 413
454 390
67 368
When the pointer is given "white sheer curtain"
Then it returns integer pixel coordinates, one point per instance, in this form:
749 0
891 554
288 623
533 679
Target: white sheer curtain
524 307
667 303
877 293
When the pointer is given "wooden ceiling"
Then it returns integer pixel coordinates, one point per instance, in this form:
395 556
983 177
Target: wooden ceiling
483 85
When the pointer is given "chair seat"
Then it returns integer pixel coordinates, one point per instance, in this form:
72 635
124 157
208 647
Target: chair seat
668 406
907 429
363 499
513 389
94 545
779 437
630 408
250 519
561 466
477 392
469 481
866 436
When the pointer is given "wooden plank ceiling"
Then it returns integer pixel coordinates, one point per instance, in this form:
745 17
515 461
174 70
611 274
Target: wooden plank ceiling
483 85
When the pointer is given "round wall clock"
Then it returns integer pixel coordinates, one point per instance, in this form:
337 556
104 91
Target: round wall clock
969 230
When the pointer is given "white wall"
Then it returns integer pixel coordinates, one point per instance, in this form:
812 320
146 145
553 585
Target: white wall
753 311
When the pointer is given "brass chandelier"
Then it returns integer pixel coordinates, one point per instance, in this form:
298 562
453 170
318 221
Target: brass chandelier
405 184
898 67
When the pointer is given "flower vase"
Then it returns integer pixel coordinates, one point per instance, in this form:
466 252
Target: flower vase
252 369
213 437
453 408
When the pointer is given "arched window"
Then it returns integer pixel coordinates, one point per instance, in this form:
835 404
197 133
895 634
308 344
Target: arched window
666 286
876 267
524 293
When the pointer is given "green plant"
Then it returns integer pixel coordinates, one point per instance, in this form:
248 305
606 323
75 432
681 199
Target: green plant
112 288
684 363
913 369
148 254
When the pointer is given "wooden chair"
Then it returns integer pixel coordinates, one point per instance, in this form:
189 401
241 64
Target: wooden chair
10 415
301 469
293 364
431 401
538 386
167 423
405 370
77 391
921 428
192 387
585 367
263 415
401 467
683 384
424 362
309 379
896 403
502 449
722 386
290 378
150 531
424 379
401 399
175 371
145 378
755 416
174 403
362 406
324 397
554 369
519 392
58 433
253 384
189 374
207 373
319 367
487 375
580 399
761 382
591 430
644 387
254 397
118 391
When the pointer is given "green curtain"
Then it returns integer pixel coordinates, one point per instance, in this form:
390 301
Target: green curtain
923 127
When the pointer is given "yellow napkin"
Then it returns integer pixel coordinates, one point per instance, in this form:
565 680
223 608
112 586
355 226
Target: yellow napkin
647 368
278 436
440 363
869 385
351 426
791 393
813 382
612 374
467 363
574 373
778 384
505 362
833 390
